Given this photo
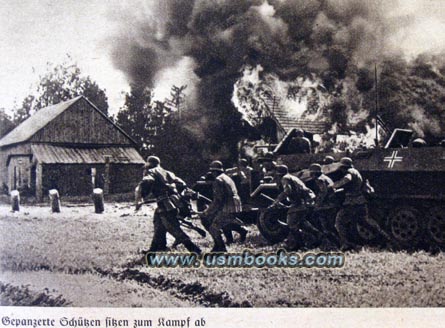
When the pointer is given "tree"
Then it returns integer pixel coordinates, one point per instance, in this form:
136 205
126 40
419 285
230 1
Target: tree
60 83
158 129
140 118
6 123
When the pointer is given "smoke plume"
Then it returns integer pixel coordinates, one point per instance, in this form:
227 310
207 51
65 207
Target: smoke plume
318 55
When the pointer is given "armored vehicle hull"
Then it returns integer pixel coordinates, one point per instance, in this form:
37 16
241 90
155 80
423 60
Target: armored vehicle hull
409 183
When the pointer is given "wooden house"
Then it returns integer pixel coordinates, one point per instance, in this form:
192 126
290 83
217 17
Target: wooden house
73 147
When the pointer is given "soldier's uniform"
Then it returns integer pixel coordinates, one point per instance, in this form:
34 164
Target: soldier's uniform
299 144
228 229
324 189
163 187
225 204
300 198
355 208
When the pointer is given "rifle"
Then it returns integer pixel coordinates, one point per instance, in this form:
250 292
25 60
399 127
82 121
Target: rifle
272 200
189 225
139 205
208 200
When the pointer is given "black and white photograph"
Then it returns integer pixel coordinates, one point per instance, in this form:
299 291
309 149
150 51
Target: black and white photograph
221 154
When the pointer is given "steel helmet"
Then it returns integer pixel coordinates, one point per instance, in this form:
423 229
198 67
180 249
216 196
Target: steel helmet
346 162
315 168
281 170
216 166
153 160
267 157
328 160
299 132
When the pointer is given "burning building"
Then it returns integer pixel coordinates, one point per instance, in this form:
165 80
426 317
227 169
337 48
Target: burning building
316 57
73 147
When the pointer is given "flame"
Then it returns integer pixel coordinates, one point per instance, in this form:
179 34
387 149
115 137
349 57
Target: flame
249 95
304 98
256 95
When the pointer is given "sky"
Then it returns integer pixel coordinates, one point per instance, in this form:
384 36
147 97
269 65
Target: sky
35 32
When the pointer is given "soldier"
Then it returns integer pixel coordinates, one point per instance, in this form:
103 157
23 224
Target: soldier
162 184
355 208
241 175
324 189
242 170
299 144
227 230
245 171
324 184
300 197
225 204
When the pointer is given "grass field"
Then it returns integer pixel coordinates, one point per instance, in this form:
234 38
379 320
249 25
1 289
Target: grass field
78 258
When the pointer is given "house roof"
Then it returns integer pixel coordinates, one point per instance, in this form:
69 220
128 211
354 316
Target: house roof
287 122
41 118
51 154
35 122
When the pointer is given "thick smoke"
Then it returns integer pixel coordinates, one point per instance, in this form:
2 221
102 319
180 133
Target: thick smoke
334 43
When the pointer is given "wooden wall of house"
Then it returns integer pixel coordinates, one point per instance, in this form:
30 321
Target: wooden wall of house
69 179
76 180
19 173
124 177
21 149
81 123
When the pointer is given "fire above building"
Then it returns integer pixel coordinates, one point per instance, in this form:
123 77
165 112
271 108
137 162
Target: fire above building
276 107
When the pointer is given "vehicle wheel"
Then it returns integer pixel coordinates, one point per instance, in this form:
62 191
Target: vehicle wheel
436 225
269 226
405 226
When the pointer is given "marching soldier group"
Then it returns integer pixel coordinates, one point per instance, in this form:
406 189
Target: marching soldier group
219 218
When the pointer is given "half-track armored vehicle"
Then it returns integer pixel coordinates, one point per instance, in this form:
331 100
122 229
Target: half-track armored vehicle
408 177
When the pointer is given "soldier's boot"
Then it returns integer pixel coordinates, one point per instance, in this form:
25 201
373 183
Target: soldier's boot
176 244
219 245
243 234
219 249
227 231
239 229
158 249
294 241
159 245
191 247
